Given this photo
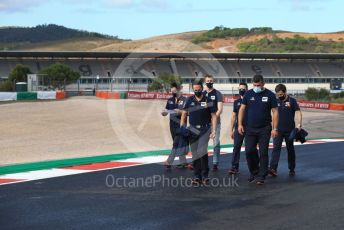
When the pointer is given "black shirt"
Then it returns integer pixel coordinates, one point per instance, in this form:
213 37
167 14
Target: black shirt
259 107
286 113
172 104
199 111
236 108
215 96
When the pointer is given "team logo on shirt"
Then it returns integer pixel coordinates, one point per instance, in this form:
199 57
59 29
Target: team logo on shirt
252 99
212 97
278 104
238 104
287 104
181 102
203 104
171 102
265 99
192 103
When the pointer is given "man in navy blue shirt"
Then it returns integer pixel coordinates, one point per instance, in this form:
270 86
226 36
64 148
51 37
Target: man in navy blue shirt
216 97
174 107
287 108
258 104
233 133
202 120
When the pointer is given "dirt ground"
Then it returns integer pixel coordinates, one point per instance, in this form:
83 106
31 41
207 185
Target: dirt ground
88 126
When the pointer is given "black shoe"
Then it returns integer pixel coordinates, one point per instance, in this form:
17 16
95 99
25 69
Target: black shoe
260 182
206 181
215 168
182 166
251 179
190 166
273 172
291 173
167 166
233 171
196 182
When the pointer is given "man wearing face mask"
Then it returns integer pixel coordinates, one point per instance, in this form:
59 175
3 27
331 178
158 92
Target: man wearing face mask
174 106
258 103
202 120
233 133
287 108
216 97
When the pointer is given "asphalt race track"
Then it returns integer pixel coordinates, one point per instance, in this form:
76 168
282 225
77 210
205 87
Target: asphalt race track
313 199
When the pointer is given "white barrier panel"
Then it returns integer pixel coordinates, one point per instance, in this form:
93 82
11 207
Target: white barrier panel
46 95
8 96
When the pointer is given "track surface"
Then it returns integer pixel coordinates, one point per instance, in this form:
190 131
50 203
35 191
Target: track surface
311 200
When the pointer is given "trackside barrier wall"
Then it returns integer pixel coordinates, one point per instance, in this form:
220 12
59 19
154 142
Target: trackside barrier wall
227 99
8 96
29 96
25 96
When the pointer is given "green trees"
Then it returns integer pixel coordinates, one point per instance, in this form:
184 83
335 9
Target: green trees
223 32
6 86
18 74
163 82
296 43
55 75
58 75
314 94
44 33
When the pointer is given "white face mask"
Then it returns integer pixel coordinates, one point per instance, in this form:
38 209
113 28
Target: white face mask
258 89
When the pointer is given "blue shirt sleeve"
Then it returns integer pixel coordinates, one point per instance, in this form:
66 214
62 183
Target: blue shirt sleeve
295 105
219 96
273 101
235 106
245 100
187 104
170 104
211 106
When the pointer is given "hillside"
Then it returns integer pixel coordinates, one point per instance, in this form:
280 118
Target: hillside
15 38
219 39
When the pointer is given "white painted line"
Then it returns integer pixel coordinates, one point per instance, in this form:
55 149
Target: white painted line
42 174
58 172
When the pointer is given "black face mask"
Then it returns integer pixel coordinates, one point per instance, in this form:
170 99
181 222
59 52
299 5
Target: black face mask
174 94
281 98
209 85
242 92
198 93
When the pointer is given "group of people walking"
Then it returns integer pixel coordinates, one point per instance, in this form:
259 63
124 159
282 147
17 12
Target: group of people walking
258 114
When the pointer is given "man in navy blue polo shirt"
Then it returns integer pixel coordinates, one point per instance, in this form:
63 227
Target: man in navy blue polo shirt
202 120
174 107
233 133
216 97
258 102
287 108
